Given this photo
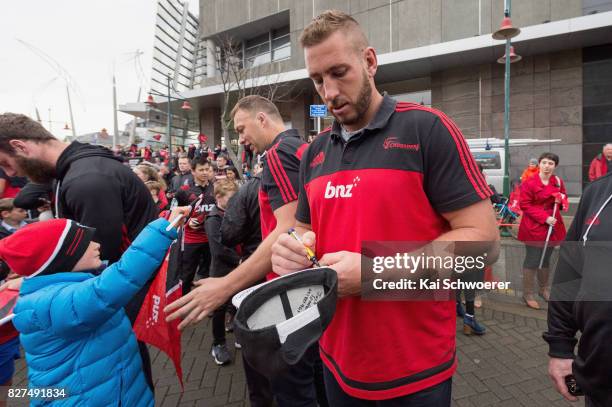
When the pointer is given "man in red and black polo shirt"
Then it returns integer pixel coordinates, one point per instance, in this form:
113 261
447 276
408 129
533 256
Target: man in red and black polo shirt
384 171
260 125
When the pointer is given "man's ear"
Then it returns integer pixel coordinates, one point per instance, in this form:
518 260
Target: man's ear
19 146
261 119
371 61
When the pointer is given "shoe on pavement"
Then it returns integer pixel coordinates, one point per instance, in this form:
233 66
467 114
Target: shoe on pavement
471 326
237 345
220 354
531 302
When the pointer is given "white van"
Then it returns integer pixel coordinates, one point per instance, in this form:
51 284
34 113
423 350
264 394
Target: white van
490 154
492 162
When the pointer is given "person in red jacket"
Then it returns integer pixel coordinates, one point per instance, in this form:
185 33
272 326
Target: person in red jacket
601 164
538 196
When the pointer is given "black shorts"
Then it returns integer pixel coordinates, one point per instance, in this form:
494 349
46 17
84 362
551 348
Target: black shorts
533 256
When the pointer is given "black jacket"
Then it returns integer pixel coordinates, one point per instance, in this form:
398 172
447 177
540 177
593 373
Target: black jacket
581 296
33 196
179 180
241 224
97 190
223 259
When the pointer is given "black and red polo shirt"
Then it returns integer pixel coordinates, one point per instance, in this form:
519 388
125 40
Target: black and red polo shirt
279 180
390 182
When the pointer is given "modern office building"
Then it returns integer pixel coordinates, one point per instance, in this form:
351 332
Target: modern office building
434 52
177 65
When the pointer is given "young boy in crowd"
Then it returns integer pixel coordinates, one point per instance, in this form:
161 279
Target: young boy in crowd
13 218
224 260
196 256
75 333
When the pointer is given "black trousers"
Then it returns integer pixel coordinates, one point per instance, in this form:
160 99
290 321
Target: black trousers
260 390
195 258
301 386
435 396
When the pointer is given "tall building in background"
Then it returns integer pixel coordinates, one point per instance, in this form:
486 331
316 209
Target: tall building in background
176 66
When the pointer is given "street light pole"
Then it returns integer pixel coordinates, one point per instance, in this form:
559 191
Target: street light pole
506 187
507 32
170 151
185 107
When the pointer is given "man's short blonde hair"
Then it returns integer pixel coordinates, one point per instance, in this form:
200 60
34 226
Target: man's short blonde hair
224 187
327 23
256 103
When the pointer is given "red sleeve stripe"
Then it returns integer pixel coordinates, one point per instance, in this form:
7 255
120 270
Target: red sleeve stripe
275 175
485 191
467 160
283 176
277 178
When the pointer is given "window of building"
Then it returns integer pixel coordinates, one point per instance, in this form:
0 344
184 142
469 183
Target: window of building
257 51
274 45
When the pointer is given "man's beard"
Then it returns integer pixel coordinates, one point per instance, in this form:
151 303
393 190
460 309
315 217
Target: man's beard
362 104
36 170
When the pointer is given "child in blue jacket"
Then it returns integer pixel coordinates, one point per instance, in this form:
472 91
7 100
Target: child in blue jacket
76 335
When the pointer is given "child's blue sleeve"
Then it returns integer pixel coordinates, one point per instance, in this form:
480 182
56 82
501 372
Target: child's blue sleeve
83 306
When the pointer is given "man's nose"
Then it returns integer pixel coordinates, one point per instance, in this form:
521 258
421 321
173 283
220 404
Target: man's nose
330 90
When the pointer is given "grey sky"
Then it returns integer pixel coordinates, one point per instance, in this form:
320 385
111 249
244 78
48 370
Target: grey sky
84 37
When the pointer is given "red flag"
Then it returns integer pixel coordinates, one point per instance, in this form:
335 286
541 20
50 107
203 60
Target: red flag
151 326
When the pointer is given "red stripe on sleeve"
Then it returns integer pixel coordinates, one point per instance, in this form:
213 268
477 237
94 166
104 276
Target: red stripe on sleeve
467 160
470 159
284 178
273 171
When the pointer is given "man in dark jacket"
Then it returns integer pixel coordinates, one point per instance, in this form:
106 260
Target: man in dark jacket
93 187
183 175
241 223
581 300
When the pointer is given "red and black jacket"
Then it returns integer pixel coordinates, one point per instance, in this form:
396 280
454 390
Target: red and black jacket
390 182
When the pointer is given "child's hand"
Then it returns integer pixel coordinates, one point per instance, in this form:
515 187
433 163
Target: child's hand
178 215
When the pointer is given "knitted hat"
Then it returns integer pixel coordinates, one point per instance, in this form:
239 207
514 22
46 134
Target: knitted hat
47 247
533 161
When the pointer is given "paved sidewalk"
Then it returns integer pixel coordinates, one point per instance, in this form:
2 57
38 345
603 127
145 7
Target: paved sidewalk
505 367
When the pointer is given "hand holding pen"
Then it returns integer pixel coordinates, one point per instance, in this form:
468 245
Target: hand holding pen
309 253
